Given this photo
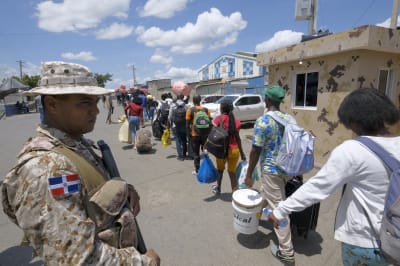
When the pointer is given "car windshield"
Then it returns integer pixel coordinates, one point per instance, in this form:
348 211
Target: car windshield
227 98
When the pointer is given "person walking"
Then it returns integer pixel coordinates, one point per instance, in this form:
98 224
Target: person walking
134 114
110 108
265 146
197 139
232 126
359 173
57 175
177 118
151 107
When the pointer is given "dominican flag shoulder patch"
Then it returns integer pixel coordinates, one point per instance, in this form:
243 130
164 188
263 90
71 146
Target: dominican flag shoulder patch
64 185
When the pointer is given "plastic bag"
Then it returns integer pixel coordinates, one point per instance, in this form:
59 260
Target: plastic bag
241 171
166 138
207 171
125 135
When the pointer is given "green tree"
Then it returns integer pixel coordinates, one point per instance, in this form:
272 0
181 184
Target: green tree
31 81
102 79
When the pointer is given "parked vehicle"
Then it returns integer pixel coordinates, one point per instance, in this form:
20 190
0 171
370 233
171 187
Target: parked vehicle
246 107
211 98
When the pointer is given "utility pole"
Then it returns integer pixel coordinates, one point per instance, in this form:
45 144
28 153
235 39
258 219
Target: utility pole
393 20
134 76
312 24
21 63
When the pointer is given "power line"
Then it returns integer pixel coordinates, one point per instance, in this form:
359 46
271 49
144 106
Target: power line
363 14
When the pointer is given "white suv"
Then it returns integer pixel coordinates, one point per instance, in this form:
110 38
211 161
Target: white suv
246 107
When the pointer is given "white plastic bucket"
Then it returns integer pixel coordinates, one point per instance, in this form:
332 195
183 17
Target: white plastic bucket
246 210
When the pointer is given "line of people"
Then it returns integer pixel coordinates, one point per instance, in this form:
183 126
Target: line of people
58 174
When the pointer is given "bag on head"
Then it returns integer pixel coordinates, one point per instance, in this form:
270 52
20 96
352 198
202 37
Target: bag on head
296 153
201 121
179 115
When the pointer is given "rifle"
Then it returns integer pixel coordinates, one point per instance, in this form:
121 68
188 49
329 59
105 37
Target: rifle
110 164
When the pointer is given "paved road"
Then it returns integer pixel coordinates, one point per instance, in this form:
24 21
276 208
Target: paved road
180 218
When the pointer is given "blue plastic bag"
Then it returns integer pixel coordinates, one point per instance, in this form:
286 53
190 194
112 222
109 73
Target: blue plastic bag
241 171
207 172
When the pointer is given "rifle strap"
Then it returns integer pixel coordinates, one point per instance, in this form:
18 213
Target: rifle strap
90 176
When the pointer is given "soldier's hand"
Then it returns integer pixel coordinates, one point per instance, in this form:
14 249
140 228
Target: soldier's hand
152 254
133 199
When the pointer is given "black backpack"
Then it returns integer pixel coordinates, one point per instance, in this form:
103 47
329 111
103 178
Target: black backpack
179 115
164 112
218 141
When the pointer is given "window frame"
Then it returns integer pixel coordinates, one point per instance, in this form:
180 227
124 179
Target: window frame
294 91
389 81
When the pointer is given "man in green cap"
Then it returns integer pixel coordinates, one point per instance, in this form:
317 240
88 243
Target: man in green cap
265 146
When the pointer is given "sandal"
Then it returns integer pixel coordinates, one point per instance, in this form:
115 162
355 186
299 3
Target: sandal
215 189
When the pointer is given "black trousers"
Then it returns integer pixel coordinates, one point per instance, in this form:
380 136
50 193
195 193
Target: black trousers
197 144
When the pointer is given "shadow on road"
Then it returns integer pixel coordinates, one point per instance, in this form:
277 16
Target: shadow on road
227 197
259 240
18 255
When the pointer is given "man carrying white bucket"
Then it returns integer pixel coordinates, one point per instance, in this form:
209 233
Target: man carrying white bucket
265 144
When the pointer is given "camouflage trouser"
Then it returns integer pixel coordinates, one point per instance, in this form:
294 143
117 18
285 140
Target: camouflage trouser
358 256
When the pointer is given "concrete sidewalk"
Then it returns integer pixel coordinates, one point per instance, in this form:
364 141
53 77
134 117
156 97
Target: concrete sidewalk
180 218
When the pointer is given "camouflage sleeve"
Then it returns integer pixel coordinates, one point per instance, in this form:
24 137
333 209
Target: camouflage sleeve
56 224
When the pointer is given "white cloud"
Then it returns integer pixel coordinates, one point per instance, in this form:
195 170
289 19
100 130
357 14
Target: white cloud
28 68
280 39
194 37
160 57
174 73
114 31
83 56
386 23
162 8
74 15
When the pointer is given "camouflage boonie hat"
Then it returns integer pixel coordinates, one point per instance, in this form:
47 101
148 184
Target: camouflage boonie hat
66 78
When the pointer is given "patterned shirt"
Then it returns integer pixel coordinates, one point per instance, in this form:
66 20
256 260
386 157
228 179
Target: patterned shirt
58 227
268 136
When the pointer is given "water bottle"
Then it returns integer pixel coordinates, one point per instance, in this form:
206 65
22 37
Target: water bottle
282 223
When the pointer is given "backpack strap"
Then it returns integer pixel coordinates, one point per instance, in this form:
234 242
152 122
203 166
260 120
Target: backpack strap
91 177
385 156
277 118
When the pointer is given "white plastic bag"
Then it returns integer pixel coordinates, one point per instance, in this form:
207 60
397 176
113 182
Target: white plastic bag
241 171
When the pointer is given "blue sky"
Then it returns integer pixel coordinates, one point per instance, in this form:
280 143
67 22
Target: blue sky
162 38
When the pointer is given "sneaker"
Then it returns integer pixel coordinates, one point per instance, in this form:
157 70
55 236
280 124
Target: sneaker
216 189
179 158
284 258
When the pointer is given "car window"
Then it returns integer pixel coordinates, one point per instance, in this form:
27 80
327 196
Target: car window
228 98
248 100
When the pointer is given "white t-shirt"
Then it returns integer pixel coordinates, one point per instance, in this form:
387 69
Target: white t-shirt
366 179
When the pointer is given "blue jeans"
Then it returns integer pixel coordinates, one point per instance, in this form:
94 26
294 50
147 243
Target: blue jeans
358 256
134 125
180 140
151 113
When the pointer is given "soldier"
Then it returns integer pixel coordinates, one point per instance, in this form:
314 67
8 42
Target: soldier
60 192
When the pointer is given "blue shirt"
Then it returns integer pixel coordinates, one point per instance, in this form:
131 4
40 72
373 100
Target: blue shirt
268 136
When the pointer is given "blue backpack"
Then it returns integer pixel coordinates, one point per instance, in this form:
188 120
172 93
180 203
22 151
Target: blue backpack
389 234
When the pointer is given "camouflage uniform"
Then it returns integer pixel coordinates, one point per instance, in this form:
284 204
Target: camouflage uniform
58 227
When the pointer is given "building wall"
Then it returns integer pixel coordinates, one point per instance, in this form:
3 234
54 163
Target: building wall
338 75
220 68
